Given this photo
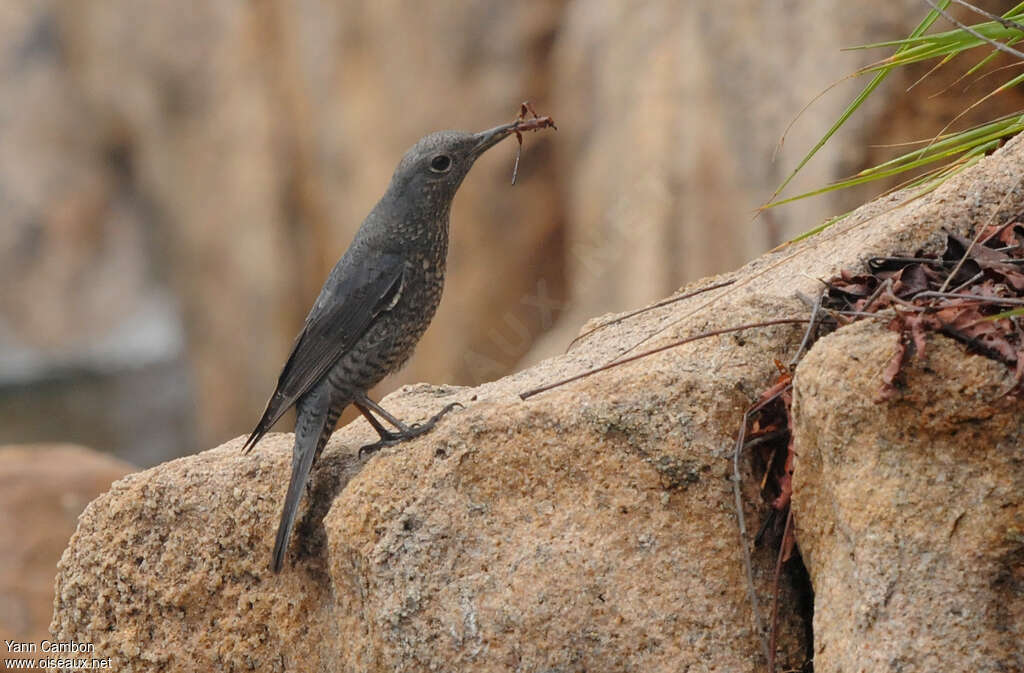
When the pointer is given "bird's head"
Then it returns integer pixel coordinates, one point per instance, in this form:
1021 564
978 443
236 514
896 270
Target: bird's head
432 170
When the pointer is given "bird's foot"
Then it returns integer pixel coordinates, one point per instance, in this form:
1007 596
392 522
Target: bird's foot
388 438
420 428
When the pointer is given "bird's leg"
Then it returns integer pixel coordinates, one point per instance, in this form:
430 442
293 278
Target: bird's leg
384 433
387 437
402 427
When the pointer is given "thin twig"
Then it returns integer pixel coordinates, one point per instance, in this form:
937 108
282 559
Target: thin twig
886 286
998 231
877 261
664 302
741 521
994 43
1006 23
1005 301
961 261
904 304
968 282
659 349
811 326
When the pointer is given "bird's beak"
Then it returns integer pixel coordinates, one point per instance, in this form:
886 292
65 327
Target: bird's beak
485 140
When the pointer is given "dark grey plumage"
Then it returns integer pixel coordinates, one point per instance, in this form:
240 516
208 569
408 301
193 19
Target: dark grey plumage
377 302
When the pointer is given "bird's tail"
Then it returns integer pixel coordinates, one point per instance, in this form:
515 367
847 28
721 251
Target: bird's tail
302 463
313 429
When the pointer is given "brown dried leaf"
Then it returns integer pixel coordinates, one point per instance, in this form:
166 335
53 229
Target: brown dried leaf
893 369
785 481
917 323
911 280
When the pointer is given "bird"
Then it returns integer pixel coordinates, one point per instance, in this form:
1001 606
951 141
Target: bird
373 308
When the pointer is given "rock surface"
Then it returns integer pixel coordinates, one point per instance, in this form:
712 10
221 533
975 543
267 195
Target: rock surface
910 514
590 527
43 489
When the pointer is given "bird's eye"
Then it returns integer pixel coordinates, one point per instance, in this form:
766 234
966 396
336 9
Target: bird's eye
441 163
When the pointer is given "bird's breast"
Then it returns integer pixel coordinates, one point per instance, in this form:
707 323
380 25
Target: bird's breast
424 284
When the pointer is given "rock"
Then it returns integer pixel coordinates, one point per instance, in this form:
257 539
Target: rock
910 514
557 558
588 527
43 489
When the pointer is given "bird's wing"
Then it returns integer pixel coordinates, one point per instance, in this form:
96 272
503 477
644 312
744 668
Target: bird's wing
337 321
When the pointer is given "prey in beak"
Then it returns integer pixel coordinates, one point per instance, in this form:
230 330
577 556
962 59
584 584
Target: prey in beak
491 137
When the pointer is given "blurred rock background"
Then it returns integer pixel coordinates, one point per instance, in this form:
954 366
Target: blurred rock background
177 178
43 489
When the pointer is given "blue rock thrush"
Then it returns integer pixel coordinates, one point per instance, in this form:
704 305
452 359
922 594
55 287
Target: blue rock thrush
376 303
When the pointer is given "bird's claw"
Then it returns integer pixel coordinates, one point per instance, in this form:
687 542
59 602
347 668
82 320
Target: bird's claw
432 421
391 439
415 430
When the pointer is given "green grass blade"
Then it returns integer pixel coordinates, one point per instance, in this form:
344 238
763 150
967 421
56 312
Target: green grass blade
856 103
